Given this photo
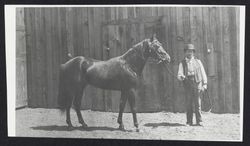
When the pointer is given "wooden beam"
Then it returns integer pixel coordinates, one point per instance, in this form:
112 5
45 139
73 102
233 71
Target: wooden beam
134 20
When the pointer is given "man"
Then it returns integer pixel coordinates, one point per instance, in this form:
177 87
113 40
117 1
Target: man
191 72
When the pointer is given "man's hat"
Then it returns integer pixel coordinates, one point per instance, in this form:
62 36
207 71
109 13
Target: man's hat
189 47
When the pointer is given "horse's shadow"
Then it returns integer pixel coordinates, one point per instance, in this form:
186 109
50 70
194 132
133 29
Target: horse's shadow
66 128
155 125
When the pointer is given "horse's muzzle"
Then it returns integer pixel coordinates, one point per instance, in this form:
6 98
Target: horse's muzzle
166 60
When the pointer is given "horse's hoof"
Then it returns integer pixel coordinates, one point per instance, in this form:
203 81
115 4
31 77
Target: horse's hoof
121 127
70 128
84 125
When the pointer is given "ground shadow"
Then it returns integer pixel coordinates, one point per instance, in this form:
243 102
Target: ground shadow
66 128
154 125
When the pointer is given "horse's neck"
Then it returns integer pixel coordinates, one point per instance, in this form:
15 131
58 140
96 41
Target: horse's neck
135 58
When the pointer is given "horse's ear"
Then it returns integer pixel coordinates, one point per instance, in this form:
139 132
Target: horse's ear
153 37
145 43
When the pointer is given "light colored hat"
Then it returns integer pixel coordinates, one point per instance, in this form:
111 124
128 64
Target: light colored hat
189 47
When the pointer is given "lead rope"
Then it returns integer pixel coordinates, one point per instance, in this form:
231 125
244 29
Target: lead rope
192 87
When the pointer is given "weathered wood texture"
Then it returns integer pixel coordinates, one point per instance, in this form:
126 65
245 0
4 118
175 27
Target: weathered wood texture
53 32
21 74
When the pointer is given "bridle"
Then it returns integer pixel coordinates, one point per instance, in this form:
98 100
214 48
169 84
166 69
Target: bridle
154 42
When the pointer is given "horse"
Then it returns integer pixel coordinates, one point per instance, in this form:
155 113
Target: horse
121 73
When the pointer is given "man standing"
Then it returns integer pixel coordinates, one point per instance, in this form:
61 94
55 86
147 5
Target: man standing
191 72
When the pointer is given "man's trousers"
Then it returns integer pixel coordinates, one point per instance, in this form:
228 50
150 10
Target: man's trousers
193 100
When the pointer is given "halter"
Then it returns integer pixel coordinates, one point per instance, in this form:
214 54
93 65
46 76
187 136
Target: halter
152 44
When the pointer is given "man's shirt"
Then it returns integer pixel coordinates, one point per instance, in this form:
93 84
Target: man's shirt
194 68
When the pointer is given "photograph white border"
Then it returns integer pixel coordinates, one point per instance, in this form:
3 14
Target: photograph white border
10 36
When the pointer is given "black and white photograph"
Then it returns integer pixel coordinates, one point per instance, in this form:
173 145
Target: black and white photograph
137 72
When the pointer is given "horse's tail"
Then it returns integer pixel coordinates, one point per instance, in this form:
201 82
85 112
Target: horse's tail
61 99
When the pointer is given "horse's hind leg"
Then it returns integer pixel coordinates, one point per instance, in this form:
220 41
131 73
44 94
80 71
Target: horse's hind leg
123 102
77 104
68 106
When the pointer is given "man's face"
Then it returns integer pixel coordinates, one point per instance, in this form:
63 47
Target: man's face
189 53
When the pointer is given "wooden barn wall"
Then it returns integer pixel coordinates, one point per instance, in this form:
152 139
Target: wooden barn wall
21 69
53 32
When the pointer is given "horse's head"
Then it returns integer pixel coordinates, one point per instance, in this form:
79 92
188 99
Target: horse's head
154 50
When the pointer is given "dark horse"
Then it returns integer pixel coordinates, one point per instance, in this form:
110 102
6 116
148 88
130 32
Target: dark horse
119 73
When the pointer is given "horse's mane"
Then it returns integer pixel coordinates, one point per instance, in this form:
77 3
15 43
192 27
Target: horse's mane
135 48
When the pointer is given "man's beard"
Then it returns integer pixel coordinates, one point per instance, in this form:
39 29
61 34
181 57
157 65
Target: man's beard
189 56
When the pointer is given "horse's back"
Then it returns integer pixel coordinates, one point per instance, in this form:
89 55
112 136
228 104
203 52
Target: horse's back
77 62
72 70
110 74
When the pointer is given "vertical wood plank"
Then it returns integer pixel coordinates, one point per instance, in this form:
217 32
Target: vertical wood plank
59 53
125 13
226 57
59 44
173 24
32 38
234 39
77 31
91 31
112 13
210 35
211 70
43 57
131 12
155 11
69 30
65 43
21 61
220 51
168 88
186 24
49 68
29 46
39 51
120 13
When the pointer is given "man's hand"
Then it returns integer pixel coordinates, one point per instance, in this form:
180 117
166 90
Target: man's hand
181 77
204 87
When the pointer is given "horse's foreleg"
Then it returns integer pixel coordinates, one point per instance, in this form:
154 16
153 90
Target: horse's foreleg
80 119
123 101
131 100
68 120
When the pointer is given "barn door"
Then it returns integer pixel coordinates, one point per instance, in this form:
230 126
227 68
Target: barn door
117 38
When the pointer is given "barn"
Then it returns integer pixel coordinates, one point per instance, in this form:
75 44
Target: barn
45 35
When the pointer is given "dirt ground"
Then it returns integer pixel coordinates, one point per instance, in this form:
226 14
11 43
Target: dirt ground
159 126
